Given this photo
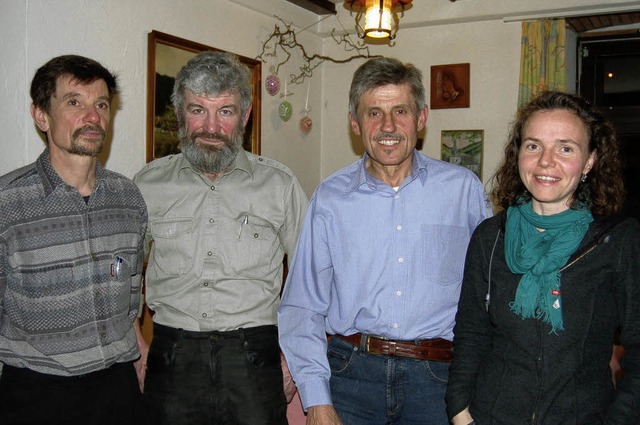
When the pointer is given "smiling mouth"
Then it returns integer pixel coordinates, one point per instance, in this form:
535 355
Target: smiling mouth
388 139
387 142
547 178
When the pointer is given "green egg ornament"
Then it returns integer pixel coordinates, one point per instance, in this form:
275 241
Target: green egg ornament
285 111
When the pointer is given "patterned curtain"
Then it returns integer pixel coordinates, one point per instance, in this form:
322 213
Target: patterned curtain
542 60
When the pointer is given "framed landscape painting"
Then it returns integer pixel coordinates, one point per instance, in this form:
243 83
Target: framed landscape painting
463 147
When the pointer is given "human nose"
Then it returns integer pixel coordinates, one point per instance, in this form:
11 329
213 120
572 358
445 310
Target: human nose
388 123
92 115
211 124
547 158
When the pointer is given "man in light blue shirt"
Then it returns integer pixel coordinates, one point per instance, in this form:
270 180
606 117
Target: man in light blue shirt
379 265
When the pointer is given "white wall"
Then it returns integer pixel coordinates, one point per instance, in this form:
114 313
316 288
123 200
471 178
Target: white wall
485 33
115 32
492 48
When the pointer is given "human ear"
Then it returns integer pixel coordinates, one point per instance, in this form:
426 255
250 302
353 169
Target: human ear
354 124
40 117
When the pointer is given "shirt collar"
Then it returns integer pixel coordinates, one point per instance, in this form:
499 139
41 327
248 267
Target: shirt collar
361 176
51 180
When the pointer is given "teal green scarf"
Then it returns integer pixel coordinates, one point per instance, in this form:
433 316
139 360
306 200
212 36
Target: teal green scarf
538 256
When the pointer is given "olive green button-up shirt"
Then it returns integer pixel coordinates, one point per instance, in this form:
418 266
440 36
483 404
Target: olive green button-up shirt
216 261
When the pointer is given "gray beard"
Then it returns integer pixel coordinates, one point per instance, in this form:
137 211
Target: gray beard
208 159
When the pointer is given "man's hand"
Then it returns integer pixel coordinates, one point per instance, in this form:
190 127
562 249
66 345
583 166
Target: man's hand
289 386
141 364
323 415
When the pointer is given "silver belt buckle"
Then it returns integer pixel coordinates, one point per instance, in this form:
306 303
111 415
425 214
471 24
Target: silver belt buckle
378 337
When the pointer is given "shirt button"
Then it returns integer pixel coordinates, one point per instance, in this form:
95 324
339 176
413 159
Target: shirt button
396 197
213 187
400 260
205 284
255 235
399 227
204 314
209 253
210 220
398 293
395 325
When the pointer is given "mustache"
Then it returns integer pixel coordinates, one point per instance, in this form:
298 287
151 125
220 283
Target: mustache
388 135
215 136
89 129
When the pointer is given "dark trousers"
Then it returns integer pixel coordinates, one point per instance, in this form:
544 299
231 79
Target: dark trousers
230 377
106 397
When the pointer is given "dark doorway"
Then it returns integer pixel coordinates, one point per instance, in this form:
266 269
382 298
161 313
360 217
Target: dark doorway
610 77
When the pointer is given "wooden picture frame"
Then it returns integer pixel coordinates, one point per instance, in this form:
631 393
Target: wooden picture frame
463 147
166 55
450 86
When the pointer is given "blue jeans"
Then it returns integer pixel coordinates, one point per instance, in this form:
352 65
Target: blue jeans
218 378
371 389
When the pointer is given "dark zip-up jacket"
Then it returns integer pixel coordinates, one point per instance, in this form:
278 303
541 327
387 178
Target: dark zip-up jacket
514 371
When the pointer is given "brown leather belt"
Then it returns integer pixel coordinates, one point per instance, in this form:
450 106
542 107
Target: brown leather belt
437 350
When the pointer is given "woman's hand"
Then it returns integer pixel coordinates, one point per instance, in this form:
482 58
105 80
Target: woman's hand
462 418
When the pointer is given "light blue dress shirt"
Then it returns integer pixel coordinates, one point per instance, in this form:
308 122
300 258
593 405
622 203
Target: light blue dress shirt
374 260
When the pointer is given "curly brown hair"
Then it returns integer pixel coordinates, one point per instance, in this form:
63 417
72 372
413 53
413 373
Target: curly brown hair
603 192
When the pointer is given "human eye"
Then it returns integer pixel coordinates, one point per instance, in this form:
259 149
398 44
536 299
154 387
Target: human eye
566 149
195 110
227 112
401 111
103 105
73 102
530 146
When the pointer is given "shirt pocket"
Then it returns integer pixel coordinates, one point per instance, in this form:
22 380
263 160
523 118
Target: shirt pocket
174 245
444 249
258 246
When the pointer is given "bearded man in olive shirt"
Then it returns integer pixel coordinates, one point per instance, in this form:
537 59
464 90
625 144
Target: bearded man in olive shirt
221 220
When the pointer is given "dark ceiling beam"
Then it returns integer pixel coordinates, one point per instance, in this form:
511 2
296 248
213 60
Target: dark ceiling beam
319 7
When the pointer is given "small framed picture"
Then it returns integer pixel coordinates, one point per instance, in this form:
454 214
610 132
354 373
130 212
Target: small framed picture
463 147
450 86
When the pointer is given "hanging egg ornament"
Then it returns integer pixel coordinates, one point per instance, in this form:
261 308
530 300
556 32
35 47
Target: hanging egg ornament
272 84
285 111
306 124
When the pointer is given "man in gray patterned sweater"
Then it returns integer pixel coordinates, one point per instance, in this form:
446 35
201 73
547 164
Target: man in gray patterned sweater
71 256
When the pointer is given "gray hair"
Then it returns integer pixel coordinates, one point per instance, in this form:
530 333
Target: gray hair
379 72
211 74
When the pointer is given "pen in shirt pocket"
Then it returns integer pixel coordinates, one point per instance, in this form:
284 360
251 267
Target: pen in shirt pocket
245 220
116 267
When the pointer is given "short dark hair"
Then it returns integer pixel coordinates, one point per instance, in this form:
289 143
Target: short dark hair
603 191
379 72
80 68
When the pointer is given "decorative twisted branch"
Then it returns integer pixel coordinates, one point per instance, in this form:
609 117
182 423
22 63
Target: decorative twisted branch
284 42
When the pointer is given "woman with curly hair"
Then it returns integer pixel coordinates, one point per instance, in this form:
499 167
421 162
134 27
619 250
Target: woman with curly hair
551 280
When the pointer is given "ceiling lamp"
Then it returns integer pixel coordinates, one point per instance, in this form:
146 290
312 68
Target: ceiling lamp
380 17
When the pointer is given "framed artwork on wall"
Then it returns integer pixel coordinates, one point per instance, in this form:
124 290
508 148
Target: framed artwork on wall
166 55
450 86
463 147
